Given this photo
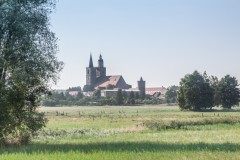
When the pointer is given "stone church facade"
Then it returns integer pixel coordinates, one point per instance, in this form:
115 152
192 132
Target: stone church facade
96 77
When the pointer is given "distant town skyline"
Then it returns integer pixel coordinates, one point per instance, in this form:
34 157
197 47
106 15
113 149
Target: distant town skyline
159 40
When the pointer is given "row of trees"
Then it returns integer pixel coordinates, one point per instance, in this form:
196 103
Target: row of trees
121 98
200 91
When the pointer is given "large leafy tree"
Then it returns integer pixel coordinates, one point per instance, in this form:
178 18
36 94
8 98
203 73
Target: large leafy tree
195 92
28 64
229 91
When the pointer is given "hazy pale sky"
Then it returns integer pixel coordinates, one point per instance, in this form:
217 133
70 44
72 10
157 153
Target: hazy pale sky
160 40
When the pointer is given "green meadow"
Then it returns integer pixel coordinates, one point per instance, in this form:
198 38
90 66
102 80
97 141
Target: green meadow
132 132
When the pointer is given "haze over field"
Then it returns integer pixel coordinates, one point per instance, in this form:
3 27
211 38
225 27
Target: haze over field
159 40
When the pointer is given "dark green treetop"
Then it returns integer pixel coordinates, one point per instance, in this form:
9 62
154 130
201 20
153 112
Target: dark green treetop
229 91
195 92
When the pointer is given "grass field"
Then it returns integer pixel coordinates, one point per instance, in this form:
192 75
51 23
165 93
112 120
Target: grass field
133 133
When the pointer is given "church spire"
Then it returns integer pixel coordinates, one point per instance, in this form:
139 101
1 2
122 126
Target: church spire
91 61
100 61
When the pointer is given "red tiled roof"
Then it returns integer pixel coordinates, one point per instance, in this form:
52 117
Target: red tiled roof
113 80
152 91
73 93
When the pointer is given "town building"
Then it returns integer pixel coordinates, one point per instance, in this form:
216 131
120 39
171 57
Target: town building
96 77
112 93
156 92
140 90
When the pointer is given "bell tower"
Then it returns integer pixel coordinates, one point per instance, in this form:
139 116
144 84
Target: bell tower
101 70
90 74
142 87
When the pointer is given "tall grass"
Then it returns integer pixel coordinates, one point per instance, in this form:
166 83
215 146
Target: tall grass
183 124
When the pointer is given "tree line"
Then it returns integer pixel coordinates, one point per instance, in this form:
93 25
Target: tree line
200 91
121 98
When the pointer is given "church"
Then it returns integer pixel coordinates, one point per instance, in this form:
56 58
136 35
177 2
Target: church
96 77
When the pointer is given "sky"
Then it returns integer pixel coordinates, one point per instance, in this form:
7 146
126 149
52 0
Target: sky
160 40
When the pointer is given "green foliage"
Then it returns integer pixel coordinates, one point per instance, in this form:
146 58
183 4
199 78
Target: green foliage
200 91
184 124
137 96
79 95
142 95
50 102
87 88
110 86
214 82
229 91
119 133
124 94
27 65
131 98
181 99
195 92
95 101
107 101
97 93
149 101
171 94
59 99
74 89
59 96
63 133
119 97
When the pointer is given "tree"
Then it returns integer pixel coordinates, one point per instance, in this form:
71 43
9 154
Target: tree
58 96
171 94
131 98
214 83
110 86
142 95
27 64
195 92
74 89
97 93
181 97
137 95
119 97
124 94
69 97
88 88
79 95
229 91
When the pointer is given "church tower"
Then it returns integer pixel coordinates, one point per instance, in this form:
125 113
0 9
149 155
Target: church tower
142 87
90 74
101 70
100 62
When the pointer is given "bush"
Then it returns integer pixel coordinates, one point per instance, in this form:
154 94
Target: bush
19 136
